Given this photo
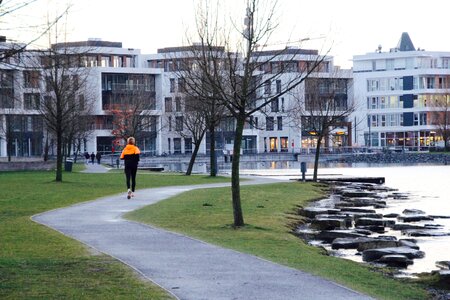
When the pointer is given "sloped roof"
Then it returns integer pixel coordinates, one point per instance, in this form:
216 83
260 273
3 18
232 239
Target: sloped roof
405 43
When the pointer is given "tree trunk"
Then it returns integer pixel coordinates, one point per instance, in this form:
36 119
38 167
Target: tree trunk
193 157
59 158
212 151
235 184
46 148
316 157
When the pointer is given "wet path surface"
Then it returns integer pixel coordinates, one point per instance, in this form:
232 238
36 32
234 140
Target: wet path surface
188 268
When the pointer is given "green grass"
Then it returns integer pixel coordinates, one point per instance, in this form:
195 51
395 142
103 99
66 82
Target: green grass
268 213
39 263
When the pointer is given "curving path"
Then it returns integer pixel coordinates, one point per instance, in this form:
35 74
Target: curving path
187 268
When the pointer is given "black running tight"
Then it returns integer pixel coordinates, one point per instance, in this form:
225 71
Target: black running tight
130 173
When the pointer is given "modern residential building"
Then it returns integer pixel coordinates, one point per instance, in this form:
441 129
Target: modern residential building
397 92
270 130
123 82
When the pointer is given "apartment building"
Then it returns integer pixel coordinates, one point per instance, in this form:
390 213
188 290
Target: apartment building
121 80
397 91
269 130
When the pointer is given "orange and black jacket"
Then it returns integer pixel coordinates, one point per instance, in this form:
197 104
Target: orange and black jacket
130 155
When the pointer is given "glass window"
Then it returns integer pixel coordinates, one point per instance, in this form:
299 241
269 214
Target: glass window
179 123
181 85
168 104
280 123
31 79
274 105
188 145
177 145
267 87
177 104
284 144
172 85
269 123
31 101
273 144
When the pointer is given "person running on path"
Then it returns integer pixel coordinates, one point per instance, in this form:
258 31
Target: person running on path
130 155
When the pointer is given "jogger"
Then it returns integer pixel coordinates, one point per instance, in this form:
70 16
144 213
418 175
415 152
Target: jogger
130 155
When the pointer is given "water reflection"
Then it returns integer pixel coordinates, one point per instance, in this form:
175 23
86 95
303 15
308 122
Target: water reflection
427 185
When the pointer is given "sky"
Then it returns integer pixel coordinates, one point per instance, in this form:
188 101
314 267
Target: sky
342 27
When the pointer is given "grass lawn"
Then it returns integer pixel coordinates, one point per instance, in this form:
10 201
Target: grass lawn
39 263
268 212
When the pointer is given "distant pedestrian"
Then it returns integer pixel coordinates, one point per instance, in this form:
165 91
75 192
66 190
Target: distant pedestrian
130 155
86 156
99 157
92 158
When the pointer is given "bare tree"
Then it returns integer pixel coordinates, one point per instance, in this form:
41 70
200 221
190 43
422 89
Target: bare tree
237 79
201 100
193 127
14 8
321 105
65 89
441 118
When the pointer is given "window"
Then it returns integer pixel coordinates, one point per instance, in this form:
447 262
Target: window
278 83
274 105
172 85
181 85
168 104
188 145
31 79
284 144
383 120
280 123
179 123
382 102
389 64
169 121
105 61
31 101
177 104
269 123
416 119
267 87
273 144
177 145
282 104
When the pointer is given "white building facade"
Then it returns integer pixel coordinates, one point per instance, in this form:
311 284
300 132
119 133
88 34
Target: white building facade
116 73
395 91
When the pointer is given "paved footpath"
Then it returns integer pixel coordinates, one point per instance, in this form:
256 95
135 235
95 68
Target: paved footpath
187 268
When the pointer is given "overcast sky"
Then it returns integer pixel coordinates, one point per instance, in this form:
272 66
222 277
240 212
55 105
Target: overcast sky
350 27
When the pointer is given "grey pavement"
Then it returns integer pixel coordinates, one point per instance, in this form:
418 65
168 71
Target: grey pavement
186 267
95 168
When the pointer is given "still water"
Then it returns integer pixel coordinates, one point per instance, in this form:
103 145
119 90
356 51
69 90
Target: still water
429 191
428 188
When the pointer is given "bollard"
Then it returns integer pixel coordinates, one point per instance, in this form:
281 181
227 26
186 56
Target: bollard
303 170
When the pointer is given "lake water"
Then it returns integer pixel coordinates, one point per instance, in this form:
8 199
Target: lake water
429 189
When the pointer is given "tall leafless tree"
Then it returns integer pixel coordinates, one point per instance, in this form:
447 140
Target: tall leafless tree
14 8
321 105
201 100
236 78
194 127
67 97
